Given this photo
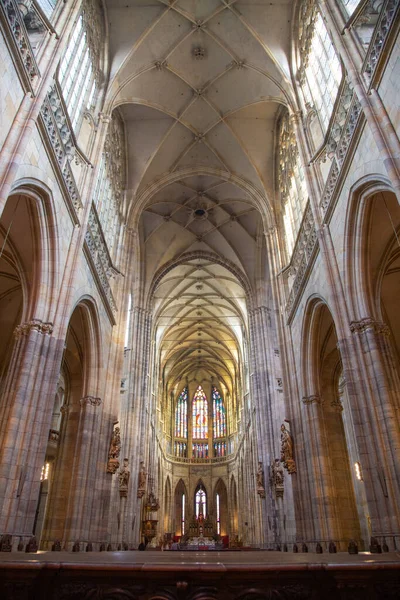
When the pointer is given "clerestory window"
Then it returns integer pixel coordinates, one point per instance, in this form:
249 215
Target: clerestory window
320 71
79 72
350 6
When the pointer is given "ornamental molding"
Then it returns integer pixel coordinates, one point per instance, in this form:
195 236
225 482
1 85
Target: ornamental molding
368 323
90 400
37 325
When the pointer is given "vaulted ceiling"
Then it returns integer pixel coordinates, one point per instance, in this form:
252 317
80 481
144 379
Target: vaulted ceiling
199 84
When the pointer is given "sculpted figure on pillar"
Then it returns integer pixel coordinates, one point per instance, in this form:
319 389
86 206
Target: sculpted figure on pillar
124 476
260 480
142 480
287 454
115 449
277 477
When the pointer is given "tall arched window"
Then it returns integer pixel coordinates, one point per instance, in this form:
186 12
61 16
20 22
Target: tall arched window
201 502
183 515
200 415
218 511
320 71
291 181
219 414
181 415
79 72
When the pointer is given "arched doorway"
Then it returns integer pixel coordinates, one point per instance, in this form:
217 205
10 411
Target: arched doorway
73 470
336 495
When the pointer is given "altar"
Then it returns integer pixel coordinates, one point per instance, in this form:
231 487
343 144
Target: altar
202 543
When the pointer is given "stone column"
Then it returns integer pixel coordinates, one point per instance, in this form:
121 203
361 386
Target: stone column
134 416
25 415
72 490
321 512
381 376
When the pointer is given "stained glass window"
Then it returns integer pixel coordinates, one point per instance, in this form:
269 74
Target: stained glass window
201 502
200 415
181 415
219 414
181 449
200 450
219 449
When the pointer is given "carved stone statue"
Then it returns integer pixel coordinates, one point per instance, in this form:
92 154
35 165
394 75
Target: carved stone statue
287 456
124 476
277 477
260 480
113 454
142 480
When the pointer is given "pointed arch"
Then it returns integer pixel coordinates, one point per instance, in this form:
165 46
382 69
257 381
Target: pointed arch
221 511
181 508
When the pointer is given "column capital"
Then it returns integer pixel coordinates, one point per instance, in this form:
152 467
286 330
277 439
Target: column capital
24 329
337 405
92 400
312 399
368 323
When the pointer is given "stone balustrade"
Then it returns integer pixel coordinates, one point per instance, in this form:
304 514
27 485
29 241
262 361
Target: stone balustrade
100 259
59 132
302 257
12 18
389 11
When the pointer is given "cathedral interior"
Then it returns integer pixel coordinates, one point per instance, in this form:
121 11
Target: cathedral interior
199 274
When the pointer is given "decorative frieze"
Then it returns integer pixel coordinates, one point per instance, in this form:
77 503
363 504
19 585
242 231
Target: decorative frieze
16 27
56 122
90 400
34 325
100 256
304 250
